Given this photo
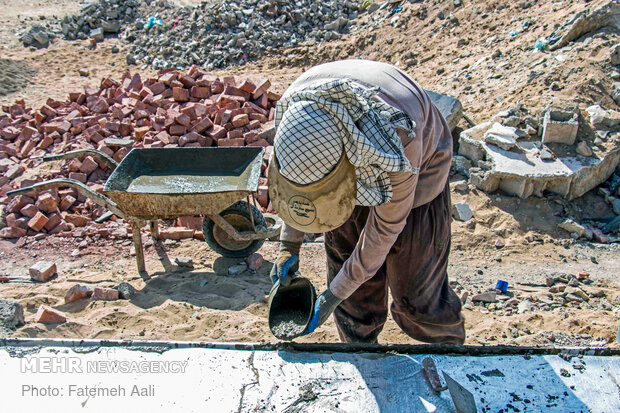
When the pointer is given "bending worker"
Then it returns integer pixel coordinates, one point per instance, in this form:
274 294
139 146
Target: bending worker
362 154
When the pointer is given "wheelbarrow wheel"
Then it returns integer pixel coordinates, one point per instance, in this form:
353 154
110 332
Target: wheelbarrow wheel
238 216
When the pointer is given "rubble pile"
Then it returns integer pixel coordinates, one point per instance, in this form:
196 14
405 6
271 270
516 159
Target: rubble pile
174 109
562 291
211 34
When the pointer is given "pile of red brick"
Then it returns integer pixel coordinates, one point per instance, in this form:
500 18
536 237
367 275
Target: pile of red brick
176 109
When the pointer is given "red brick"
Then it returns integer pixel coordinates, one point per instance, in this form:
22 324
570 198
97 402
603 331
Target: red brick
45 142
47 203
157 88
254 124
231 142
37 222
240 120
201 92
53 220
88 165
47 315
78 176
235 133
77 220
188 138
260 142
259 117
177 130
48 111
262 196
100 106
28 146
176 233
27 132
120 154
29 210
261 88
77 292
163 137
66 202
42 271
194 223
234 91
250 137
14 171
247 86
216 132
273 96
182 119
180 94
108 294
140 132
12 232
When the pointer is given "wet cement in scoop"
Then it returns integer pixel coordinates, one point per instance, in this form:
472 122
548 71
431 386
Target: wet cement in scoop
182 181
287 325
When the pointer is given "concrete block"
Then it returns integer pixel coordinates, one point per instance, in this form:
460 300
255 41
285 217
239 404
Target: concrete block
560 126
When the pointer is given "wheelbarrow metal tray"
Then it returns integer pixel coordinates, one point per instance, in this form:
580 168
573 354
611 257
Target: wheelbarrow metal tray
160 183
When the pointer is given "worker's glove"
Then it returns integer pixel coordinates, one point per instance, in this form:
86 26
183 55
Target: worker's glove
323 308
287 263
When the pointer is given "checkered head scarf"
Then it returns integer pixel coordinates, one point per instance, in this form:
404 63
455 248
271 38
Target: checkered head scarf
315 124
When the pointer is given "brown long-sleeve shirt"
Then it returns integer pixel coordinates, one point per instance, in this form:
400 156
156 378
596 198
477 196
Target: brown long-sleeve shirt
430 150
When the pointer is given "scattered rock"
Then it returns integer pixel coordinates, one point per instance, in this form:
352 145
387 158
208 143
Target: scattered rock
503 136
462 212
254 261
125 290
583 149
185 262
572 227
237 269
11 316
485 297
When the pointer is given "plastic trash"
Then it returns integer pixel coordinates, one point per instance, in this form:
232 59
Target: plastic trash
541 44
152 21
502 286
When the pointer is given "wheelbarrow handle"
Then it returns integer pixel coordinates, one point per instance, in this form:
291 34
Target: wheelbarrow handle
85 190
83 153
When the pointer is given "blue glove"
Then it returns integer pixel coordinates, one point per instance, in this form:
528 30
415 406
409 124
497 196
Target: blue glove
323 308
287 263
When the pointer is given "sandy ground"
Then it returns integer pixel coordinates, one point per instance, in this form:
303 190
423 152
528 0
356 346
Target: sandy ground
178 305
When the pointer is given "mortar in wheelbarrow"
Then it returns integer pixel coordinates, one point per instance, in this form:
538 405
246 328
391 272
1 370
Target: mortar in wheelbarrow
291 307
171 182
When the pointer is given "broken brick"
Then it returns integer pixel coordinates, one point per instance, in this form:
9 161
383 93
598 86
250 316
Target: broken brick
47 315
37 222
42 271
77 292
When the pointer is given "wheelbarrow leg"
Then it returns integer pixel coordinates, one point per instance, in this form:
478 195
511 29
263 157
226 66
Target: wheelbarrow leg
137 244
154 229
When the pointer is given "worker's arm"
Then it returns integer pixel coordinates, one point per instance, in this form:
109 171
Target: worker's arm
287 262
384 225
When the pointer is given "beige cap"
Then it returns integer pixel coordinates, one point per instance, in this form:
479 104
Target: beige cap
318 207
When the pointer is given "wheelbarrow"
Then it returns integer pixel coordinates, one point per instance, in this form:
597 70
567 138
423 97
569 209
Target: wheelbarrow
165 183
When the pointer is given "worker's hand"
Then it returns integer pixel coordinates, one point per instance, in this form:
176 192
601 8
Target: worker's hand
287 263
323 308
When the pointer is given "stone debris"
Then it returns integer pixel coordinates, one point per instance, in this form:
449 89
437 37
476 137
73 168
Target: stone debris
502 136
171 109
237 269
603 119
77 292
254 261
11 316
125 290
560 126
572 227
462 212
47 315
583 149
42 271
106 294
230 32
185 262
486 297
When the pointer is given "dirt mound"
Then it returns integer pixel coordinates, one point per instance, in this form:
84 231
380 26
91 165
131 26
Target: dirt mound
14 75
